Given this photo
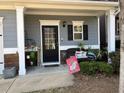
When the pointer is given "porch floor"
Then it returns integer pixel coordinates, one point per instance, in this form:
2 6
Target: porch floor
47 70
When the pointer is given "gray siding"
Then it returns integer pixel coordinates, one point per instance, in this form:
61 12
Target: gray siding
92 32
32 28
9 28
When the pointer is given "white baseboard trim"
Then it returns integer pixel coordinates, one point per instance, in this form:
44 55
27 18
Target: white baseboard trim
51 63
74 46
10 50
15 50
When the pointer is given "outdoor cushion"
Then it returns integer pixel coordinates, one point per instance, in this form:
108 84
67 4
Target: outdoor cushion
81 54
91 55
81 57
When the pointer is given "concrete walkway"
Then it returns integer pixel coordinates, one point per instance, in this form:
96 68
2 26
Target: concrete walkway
34 82
5 84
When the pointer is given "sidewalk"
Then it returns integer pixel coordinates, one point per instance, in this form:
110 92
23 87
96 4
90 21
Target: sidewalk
35 82
5 84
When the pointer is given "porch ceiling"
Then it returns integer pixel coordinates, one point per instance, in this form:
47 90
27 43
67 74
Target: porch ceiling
63 12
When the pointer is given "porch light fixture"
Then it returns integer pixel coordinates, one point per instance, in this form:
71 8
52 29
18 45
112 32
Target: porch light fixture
64 23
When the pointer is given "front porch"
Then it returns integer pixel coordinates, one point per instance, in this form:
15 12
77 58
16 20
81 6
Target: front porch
59 20
53 35
35 23
50 18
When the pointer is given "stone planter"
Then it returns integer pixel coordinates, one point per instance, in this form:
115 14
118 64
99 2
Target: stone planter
9 72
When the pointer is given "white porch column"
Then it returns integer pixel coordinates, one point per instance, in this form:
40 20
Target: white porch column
20 37
1 46
111 31
98 18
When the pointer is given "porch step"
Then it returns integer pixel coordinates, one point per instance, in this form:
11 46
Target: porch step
47 70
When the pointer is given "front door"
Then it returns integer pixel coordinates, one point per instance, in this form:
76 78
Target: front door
1 48
50 44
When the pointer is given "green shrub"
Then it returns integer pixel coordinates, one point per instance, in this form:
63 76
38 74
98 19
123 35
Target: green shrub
106 69
115 58
84 66
92 68
89 68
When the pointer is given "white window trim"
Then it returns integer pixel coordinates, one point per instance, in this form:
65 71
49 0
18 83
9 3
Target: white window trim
77 23
65 47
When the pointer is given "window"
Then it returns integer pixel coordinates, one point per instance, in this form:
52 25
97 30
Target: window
77 30
78 33
78 36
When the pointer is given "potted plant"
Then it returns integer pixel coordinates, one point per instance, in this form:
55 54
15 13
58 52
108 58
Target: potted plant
81 45
33 57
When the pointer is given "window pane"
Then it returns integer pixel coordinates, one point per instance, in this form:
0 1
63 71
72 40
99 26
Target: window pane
78 28
77 36
49 38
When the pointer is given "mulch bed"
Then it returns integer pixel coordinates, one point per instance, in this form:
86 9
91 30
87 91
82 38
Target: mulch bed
88 84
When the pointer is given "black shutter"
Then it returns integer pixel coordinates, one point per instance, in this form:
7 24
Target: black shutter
70 32
85 32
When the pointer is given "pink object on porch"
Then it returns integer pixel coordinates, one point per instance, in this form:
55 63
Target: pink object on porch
73 65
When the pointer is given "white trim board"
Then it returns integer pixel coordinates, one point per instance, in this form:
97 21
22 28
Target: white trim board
75 46
10 50
98 19
63 13
1 46
52 63
49 22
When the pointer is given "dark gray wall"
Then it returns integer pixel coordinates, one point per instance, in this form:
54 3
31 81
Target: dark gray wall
32 28
9 28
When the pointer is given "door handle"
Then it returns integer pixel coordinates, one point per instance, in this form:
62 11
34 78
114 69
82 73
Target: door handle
0 35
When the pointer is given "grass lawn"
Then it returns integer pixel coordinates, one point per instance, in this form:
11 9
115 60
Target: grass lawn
88 84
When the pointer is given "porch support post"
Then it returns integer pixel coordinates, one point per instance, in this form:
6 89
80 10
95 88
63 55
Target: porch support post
1 46
98 18
20 39
111 31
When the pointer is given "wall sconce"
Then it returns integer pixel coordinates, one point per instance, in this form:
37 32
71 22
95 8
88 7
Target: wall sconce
64 23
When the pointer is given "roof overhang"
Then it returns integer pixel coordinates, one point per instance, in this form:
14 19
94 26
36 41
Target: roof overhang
61 12
60 4
72 5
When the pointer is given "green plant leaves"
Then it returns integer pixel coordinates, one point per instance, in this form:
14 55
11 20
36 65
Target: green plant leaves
92 68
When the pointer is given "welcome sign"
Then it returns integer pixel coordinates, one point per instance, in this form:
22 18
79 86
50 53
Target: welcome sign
73 65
